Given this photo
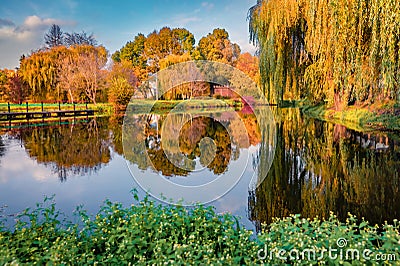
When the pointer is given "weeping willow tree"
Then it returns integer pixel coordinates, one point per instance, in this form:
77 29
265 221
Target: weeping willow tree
278 28
40 71
339 51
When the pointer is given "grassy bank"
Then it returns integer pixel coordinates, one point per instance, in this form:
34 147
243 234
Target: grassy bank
100 108
362 118
146 233
165 106
190 103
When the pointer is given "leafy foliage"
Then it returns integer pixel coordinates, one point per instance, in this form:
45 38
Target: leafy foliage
249 65
342 52
146 233
3 83
145 53
72 67
61 72
121 82
39 72
167 46
80 71
12 87
120 93
216 46
307 242
141 234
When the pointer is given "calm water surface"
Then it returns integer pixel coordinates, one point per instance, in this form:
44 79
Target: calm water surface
318 167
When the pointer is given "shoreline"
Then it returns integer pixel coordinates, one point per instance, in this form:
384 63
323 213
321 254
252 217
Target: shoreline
357 117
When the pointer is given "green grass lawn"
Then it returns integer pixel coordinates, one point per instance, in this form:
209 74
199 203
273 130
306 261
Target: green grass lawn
138 104
37 107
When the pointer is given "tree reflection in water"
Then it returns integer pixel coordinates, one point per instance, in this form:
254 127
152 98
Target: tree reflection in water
318 167
321 168
73 149
2 148
211 140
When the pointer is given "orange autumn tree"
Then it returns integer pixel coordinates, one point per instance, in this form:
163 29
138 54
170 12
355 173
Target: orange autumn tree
61 73
249 65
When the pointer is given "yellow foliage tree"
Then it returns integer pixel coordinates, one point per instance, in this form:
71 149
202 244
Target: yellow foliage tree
339 51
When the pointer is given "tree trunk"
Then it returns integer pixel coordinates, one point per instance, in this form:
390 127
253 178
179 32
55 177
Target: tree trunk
70 95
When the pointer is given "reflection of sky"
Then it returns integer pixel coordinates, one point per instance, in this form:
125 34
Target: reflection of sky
24 182
191 191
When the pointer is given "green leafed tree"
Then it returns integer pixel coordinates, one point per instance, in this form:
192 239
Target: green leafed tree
133 52
183 40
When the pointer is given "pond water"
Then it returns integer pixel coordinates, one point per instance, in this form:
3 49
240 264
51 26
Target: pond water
317 168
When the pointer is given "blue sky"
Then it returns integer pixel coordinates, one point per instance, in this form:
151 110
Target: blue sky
113 23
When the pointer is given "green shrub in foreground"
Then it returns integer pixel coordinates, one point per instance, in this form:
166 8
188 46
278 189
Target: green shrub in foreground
141 234
295 240
147 233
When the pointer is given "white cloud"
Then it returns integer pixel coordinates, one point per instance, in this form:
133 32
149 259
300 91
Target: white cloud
8 33
16 40
35 23
12 165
